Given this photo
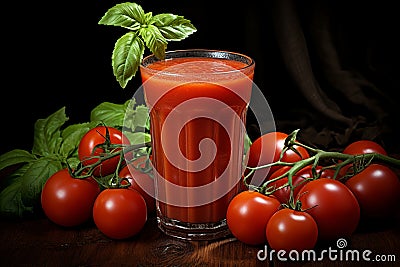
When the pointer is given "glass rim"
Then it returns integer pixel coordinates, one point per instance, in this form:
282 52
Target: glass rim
202 53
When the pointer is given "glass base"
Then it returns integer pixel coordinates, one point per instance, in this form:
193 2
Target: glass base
193 231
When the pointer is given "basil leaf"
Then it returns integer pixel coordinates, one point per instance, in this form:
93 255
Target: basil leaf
247 143
11 204
137 138
15 156
110 114
154 40
47 134
35 177
71 137
127 15
73 161
141 118
173 27
9 178
147 18
127 55
137 117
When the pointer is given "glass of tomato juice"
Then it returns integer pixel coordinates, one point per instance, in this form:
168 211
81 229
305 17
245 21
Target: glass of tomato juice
198 100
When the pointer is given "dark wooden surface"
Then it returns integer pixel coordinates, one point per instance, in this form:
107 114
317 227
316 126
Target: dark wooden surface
39 242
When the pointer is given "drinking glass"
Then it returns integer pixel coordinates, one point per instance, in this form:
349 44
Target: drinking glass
198 100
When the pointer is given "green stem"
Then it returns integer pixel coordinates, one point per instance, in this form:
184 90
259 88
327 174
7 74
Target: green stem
87 171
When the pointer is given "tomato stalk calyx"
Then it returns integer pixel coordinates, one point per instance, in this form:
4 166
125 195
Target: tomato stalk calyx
295 204
107 146
113 150
144 167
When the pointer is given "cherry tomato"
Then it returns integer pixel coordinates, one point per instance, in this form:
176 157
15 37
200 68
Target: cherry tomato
135 176
248 214
97 136
361 147
298 180
68 201
288 230
267 149
326 173
120 213
377 189
332 205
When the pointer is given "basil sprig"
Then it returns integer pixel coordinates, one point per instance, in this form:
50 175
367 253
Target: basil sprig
23 173
154 32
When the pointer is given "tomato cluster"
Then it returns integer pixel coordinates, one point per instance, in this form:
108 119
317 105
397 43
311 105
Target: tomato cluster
119 211
300 201
291 208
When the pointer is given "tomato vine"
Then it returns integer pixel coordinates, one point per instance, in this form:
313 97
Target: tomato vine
83 171
329 159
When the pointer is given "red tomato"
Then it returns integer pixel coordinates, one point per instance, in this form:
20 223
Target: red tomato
377 189
326 173
145 180
120 213
267 149
290 230
68 201
361 147
97 136
248 214
298 181
332 205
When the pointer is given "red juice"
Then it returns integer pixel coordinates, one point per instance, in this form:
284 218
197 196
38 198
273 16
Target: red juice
198 110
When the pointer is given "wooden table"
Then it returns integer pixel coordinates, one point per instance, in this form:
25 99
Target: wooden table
39 242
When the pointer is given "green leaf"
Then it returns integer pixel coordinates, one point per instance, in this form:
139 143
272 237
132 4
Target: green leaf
110 114
73 162
148 18
35 177
137 138
47 134
14 175
127 15
137 117
11 204
127 55
15 156
141 118
173 27
154 40
247 143
71 137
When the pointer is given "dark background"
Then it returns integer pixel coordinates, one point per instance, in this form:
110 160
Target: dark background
56 54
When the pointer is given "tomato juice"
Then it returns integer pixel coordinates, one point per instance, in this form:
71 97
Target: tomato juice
198 101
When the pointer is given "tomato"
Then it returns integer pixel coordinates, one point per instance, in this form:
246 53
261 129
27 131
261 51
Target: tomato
135 177
332 205
248 214
298 181
326 173
361 147
120 213
288 230
97 136
377 189
267 149
68 201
